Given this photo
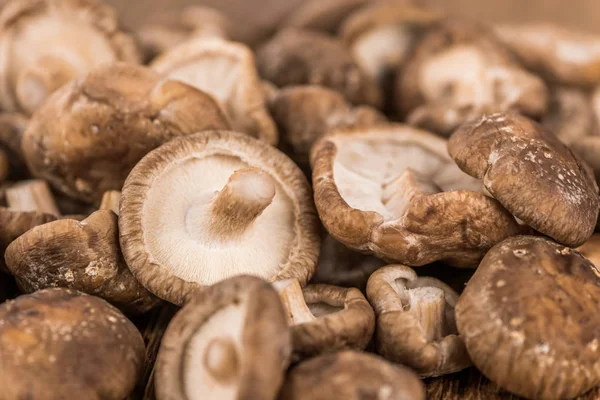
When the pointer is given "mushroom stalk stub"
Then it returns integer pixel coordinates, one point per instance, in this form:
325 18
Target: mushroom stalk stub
33 195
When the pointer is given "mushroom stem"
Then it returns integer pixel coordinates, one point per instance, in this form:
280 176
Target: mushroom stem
290 293
220 359
428 304
32 195
110 201
246 195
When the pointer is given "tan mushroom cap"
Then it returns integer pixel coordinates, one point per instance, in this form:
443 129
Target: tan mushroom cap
415 321
326 318
528 170
213 205
529 318
460 71
47 43
226 70
570 115
62 344
231 341
319 15
88 136
351 375
301 57
393 191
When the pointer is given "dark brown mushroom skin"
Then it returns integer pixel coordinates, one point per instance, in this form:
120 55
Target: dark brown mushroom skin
62 344
527 169
529 318
12 128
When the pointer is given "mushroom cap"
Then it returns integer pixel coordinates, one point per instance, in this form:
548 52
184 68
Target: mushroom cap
529 318
380 191
198 359
527 169
14 223
415 321
88 136
300 57
63 344
170 215
46 43
351 375
84 256
226 70
319 15
570 115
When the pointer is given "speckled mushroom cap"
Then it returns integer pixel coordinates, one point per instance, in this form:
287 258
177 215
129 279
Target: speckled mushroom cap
87 137
460 71
570 115
62 344
529 319
527 169
326 318
319 15
213 205
393 191
351 375
229 342
560 54
302 57
46 43
415 321
226 71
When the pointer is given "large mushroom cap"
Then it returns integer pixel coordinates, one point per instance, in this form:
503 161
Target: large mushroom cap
529 319
87 137
351 375
529 171
46 43
226 71
393 191
319 15
62 344
229 342
213 205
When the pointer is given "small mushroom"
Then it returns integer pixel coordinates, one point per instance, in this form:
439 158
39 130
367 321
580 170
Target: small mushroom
210 206
460 71
326 318
527 169
301 57
62 344
46 43
529 319
570 115
226 71
319 15
231 341
109 119
393 191
351 375
415 321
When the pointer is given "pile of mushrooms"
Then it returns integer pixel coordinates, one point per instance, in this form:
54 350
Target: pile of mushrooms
376 201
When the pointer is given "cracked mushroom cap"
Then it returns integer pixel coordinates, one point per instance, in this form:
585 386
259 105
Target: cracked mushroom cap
226 70
62 344
88 136
529 319
570 115
301 57
393 191
351 375
415 321
460 71
324 16
210 206
46 43
231 341
326 318
527 169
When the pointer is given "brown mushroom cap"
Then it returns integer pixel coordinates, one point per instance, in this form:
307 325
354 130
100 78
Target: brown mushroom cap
415 321
231 341
88 136
213 205
460 71
350 375
393 191
226 71
529 318
326 318
528 170
62 344
319 15
570 115
47 43
300 57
